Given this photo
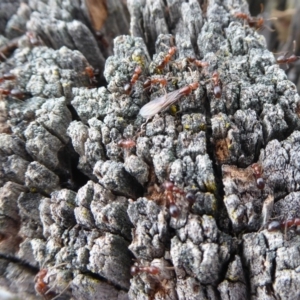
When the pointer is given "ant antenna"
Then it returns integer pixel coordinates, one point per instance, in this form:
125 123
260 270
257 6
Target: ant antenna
165 45
17 29
262 8
294 46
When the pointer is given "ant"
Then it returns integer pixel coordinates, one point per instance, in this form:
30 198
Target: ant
135 270
171 193
257 172
253 22
150 81
158 104
217 84
157 267
283 59
91 73
15 93
126 144
277 225
161 281
42 287
133 80
167 58
7 76
169 189
4 92
198 63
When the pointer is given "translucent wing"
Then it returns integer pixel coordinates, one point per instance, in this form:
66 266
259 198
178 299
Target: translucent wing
157 105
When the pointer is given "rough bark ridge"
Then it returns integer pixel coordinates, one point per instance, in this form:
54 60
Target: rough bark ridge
75 203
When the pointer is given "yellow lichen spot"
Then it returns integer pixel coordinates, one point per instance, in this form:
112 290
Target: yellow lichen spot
33 190
186 127
138 59
173 109
202 127
65 84
174 81
234 216
210 186
233 278
55 72
227 125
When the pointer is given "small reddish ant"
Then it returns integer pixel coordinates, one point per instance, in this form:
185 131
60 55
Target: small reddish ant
171 193
4 92
126 144
277 225
256 23
161 278
198 63
91 73
133 80
157 267
136 74
7 76
158 104
217 84
135 270
253 22
169 189
257 172
15 93
150 81
283 59
41 286
167 58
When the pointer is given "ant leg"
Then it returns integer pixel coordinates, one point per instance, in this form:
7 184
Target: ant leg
3 56
68 285
144 124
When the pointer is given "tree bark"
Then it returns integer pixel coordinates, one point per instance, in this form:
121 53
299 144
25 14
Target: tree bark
183 203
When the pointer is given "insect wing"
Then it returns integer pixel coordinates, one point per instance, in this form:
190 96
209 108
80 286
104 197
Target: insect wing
157 105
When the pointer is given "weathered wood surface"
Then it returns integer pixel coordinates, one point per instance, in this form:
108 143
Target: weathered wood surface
74 202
